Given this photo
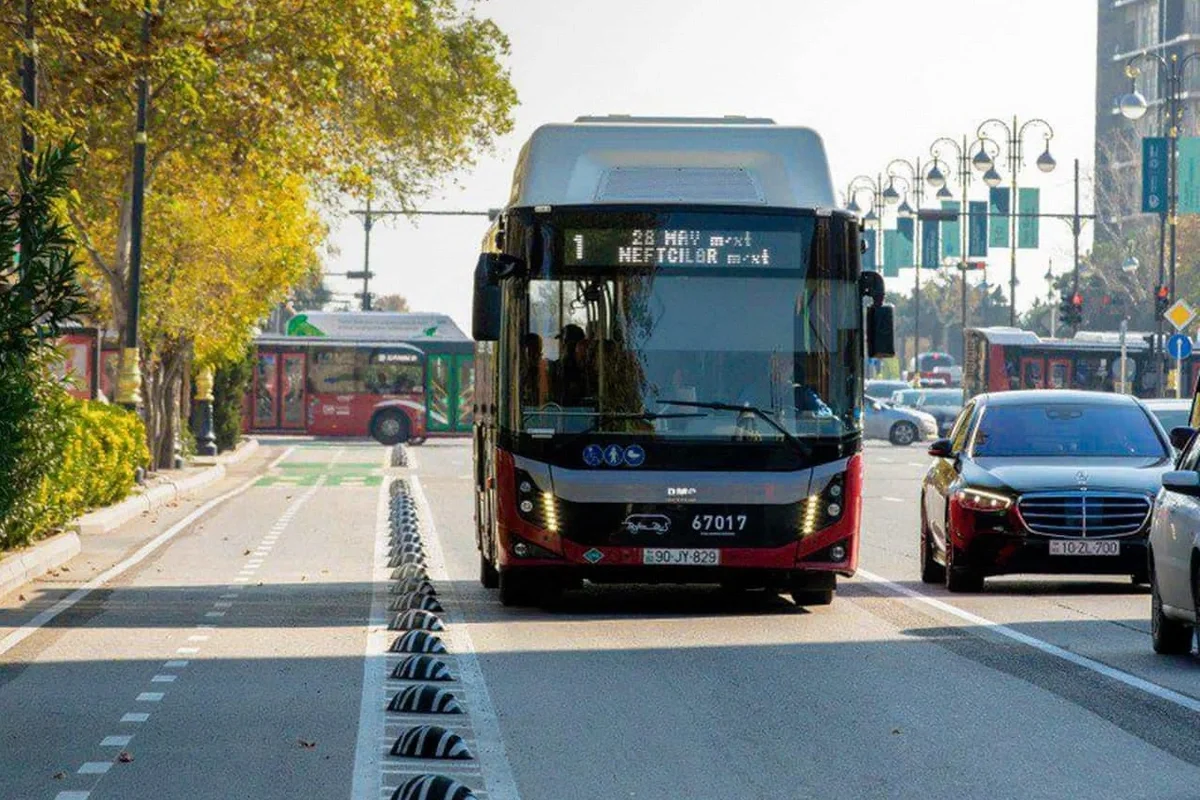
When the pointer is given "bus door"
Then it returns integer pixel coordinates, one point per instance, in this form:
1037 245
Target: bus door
1059 373
1033 373
449 393
279 392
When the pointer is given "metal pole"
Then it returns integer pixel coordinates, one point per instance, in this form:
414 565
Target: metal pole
129 387
1075 226
1014 161
1173 86
1124 362
964 175
28 90
367 223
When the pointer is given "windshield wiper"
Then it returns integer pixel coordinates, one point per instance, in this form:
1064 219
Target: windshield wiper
648 416
801 446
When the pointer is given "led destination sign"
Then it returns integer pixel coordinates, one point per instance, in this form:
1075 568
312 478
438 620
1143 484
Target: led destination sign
654 247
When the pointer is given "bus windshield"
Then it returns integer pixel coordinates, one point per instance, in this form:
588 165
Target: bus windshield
760 323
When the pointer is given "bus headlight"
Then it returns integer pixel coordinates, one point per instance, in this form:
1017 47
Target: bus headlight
824 509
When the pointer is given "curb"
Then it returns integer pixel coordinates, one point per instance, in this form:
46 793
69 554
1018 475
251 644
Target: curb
22 567
106 519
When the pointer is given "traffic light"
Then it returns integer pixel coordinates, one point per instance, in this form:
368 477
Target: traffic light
1162 300
1070 309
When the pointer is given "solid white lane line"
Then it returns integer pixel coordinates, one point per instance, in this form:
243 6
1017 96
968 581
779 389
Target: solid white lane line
41 620
1132 681
177 664
116 741
163 678
95 768
366 778
150 697
497 772
135 717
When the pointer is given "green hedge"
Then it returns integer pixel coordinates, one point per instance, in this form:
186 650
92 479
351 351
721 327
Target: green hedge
69 455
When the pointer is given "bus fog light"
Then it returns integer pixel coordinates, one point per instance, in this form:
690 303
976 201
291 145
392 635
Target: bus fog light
835 490
527 506
526 487
520 550
837 552
834 509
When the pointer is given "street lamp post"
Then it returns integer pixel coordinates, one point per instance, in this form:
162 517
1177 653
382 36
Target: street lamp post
937 179
916 182
129 382
1015 139
1133 106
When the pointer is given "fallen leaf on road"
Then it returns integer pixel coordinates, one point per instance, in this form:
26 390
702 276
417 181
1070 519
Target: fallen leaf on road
895 731
66 569
125 757
307 745
58 776
21 597
245 552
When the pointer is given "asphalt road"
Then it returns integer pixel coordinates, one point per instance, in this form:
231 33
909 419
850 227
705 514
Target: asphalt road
263 626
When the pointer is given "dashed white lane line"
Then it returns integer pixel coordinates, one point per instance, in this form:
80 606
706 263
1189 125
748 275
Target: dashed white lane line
893 499
1132 681
95 767
176 664
497 772
42 619
150 697
197 639
214 614
223 604
116 741
188 651
230 596
135 717
164 678
72 796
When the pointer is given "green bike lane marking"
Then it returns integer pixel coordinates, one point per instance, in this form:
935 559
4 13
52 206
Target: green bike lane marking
334 472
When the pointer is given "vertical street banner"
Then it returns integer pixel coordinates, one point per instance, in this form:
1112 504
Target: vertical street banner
891 259
977 229
1154 174
1187 173
998 211
907 228
869 260
951 232
1028 229
929 244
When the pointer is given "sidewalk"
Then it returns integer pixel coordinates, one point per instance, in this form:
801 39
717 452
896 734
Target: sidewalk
91 533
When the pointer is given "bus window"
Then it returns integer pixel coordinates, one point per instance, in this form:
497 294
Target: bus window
334 372
387 372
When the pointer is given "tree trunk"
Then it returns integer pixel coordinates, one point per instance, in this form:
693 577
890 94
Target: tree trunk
163 391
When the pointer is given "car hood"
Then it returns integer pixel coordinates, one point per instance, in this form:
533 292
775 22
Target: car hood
910 414
1058 474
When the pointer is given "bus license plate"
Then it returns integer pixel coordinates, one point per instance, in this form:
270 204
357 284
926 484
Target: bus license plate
677 557
1071 548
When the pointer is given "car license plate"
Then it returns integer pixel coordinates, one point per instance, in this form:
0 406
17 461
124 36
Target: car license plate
1072 548
678 557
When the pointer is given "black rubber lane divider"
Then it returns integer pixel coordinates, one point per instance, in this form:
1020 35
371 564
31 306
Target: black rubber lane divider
418 642
407 548
415 600
432 787
409 537
422 668
425 700
408 584
399 456
397 560
431 741
401 583
414 620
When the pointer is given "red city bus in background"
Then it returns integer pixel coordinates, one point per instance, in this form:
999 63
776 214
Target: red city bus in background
934 368
395 377
1004 359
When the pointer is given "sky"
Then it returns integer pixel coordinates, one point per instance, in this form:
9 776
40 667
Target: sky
877 79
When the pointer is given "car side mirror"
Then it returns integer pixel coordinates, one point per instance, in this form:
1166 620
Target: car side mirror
1182 482
1181 437
485 304
941 448
881 331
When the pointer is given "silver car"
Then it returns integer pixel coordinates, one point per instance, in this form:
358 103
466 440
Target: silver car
900 426
1175 551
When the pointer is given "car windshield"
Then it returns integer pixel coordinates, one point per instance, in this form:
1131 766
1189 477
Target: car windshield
906 398
946 399
1066 429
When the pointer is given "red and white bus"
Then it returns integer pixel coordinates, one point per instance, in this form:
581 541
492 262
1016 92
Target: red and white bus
396 377
1003 359
670 362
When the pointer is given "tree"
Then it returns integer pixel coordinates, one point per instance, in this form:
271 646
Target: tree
390 302
312 96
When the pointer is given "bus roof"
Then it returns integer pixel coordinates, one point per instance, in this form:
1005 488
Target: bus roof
371 326
1084 340
727 161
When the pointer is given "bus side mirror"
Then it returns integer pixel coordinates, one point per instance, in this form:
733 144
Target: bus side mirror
485 305
881 331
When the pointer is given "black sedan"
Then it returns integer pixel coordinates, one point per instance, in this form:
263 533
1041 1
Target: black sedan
1042 482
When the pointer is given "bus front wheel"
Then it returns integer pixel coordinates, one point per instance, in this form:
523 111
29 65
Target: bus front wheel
389 427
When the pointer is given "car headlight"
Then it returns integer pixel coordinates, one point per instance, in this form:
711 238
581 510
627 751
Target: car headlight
980 500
